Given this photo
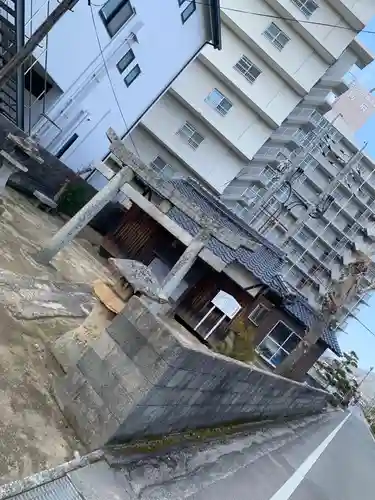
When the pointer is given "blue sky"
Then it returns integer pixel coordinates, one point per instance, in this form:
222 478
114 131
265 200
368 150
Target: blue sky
357 337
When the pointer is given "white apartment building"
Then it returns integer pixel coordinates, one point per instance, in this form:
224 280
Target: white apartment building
105 64
225 105
234 115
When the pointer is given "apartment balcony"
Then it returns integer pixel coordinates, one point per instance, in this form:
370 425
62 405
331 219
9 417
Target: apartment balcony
321 98
331 169
273 154
256 174
292 136
325 47
356 13
305 115
246 196
338 84
371 231
345 83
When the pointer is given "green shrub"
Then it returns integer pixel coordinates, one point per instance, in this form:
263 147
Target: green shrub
75 196
239 343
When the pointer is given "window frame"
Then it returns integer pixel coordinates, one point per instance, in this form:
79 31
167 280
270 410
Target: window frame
274 38
138 71
304 231
302 7
259 309
246 72
184 16
161 170
132 55
107 20
279 346
218 107
66 145
189 137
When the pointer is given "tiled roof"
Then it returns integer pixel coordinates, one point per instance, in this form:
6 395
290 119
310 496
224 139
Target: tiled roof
215 208
301 310
265 263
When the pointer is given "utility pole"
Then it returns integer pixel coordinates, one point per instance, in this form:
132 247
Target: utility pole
287 175
348 397
341 292
329 191
24 52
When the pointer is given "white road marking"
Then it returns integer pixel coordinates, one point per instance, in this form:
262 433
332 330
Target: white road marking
286 491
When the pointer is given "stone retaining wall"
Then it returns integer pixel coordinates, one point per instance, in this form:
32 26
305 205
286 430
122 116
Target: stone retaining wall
148 376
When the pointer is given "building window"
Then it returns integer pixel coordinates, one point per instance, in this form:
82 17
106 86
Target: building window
132 75
191 135
303 235
125 61
304 282
162 167
218 101
283 193
190 9
278 344
276 36
268 175
115 13
252 193
258 314
36 84
64 148
247 69
307 7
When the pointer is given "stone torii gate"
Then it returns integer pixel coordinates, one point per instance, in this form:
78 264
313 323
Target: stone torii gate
132 165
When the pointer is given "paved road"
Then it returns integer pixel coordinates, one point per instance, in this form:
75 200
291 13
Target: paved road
330 457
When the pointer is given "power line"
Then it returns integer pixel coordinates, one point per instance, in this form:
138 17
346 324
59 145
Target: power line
110 81
272 16
363 325
288 19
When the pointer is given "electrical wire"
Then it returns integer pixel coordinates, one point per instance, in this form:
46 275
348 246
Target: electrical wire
272 16
322 233
110 81
287 19
363 325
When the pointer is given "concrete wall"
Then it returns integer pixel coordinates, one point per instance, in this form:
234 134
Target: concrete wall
144 376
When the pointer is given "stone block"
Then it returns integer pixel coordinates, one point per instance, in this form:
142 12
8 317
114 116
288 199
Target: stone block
142 377
96 371
92 421
155 372
162 339
73 381
126 335
104 345
133 308
177 378
148 324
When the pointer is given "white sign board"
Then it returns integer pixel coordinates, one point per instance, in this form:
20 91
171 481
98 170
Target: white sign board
226 303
